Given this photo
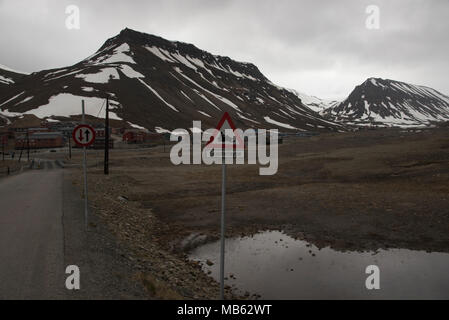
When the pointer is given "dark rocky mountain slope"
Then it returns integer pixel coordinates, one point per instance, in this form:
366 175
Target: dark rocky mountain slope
384 102
161 85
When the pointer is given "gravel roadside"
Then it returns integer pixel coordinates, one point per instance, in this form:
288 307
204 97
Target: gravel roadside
121 252
106 272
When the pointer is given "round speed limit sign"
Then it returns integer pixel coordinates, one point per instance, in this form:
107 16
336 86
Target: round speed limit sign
83 135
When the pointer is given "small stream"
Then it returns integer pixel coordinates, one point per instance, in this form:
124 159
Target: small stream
277 266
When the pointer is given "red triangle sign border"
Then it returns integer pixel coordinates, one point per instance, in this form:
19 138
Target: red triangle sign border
226 117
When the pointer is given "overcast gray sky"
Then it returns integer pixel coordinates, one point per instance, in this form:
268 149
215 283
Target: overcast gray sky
321 48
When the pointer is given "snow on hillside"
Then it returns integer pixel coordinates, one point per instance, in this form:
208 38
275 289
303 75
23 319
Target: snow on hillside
314 103
9 76
103 76
384 102
12 70
72 106
156 83
6 80
280 124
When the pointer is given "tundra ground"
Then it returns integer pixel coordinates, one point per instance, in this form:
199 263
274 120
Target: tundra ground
367 190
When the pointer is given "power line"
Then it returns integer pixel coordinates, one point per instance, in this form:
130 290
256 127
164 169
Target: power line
101 108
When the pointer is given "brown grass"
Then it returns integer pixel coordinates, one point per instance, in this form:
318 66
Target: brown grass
337 188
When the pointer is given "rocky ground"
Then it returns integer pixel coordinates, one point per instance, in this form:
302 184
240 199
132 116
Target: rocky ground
164 274
353 191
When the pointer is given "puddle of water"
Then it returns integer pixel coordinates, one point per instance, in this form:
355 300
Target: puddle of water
277 266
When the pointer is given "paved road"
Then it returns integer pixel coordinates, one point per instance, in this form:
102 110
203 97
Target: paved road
42 231
31 235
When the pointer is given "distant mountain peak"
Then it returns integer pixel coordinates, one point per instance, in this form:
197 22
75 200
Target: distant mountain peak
386 102
137 38
316 104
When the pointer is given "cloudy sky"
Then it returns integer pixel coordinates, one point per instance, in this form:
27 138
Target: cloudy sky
321 48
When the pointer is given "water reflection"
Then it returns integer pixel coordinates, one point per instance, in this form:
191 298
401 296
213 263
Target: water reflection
277 266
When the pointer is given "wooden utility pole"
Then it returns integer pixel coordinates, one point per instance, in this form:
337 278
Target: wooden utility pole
70 147
106 138
28 145
21 150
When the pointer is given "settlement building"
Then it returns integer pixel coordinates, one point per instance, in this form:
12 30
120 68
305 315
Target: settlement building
39 140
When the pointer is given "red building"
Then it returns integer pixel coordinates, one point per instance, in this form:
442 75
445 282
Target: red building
40 140
4 137
139 136
134 136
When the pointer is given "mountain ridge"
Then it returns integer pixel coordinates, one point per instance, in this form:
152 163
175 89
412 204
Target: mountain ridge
9 76
162 85
386 102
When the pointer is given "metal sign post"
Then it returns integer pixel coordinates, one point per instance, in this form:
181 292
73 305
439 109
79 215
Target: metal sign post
84 135
223 211
86 206
238 142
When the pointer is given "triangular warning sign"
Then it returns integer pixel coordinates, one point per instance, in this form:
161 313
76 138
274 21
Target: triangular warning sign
226 123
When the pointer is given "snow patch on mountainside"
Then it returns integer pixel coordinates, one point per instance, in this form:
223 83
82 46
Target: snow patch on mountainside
158 95
65 105
119 55
135 126
204 114
24 100
103 76
158 53
222 99
130 72
6 80
280 124
6 114
11 99
12 70
9 76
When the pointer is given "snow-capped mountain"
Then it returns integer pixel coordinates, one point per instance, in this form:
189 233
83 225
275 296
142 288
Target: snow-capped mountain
9 76
314 103
161 85
384 102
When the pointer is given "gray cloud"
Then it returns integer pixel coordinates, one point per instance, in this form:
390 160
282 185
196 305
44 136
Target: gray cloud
318 47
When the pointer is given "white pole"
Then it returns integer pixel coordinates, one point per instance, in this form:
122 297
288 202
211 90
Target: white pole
223 209
86 207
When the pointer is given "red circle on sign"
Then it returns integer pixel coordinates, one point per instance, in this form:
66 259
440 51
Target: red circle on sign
76 139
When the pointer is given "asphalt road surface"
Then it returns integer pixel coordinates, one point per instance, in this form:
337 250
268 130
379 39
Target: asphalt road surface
31 235
42 232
